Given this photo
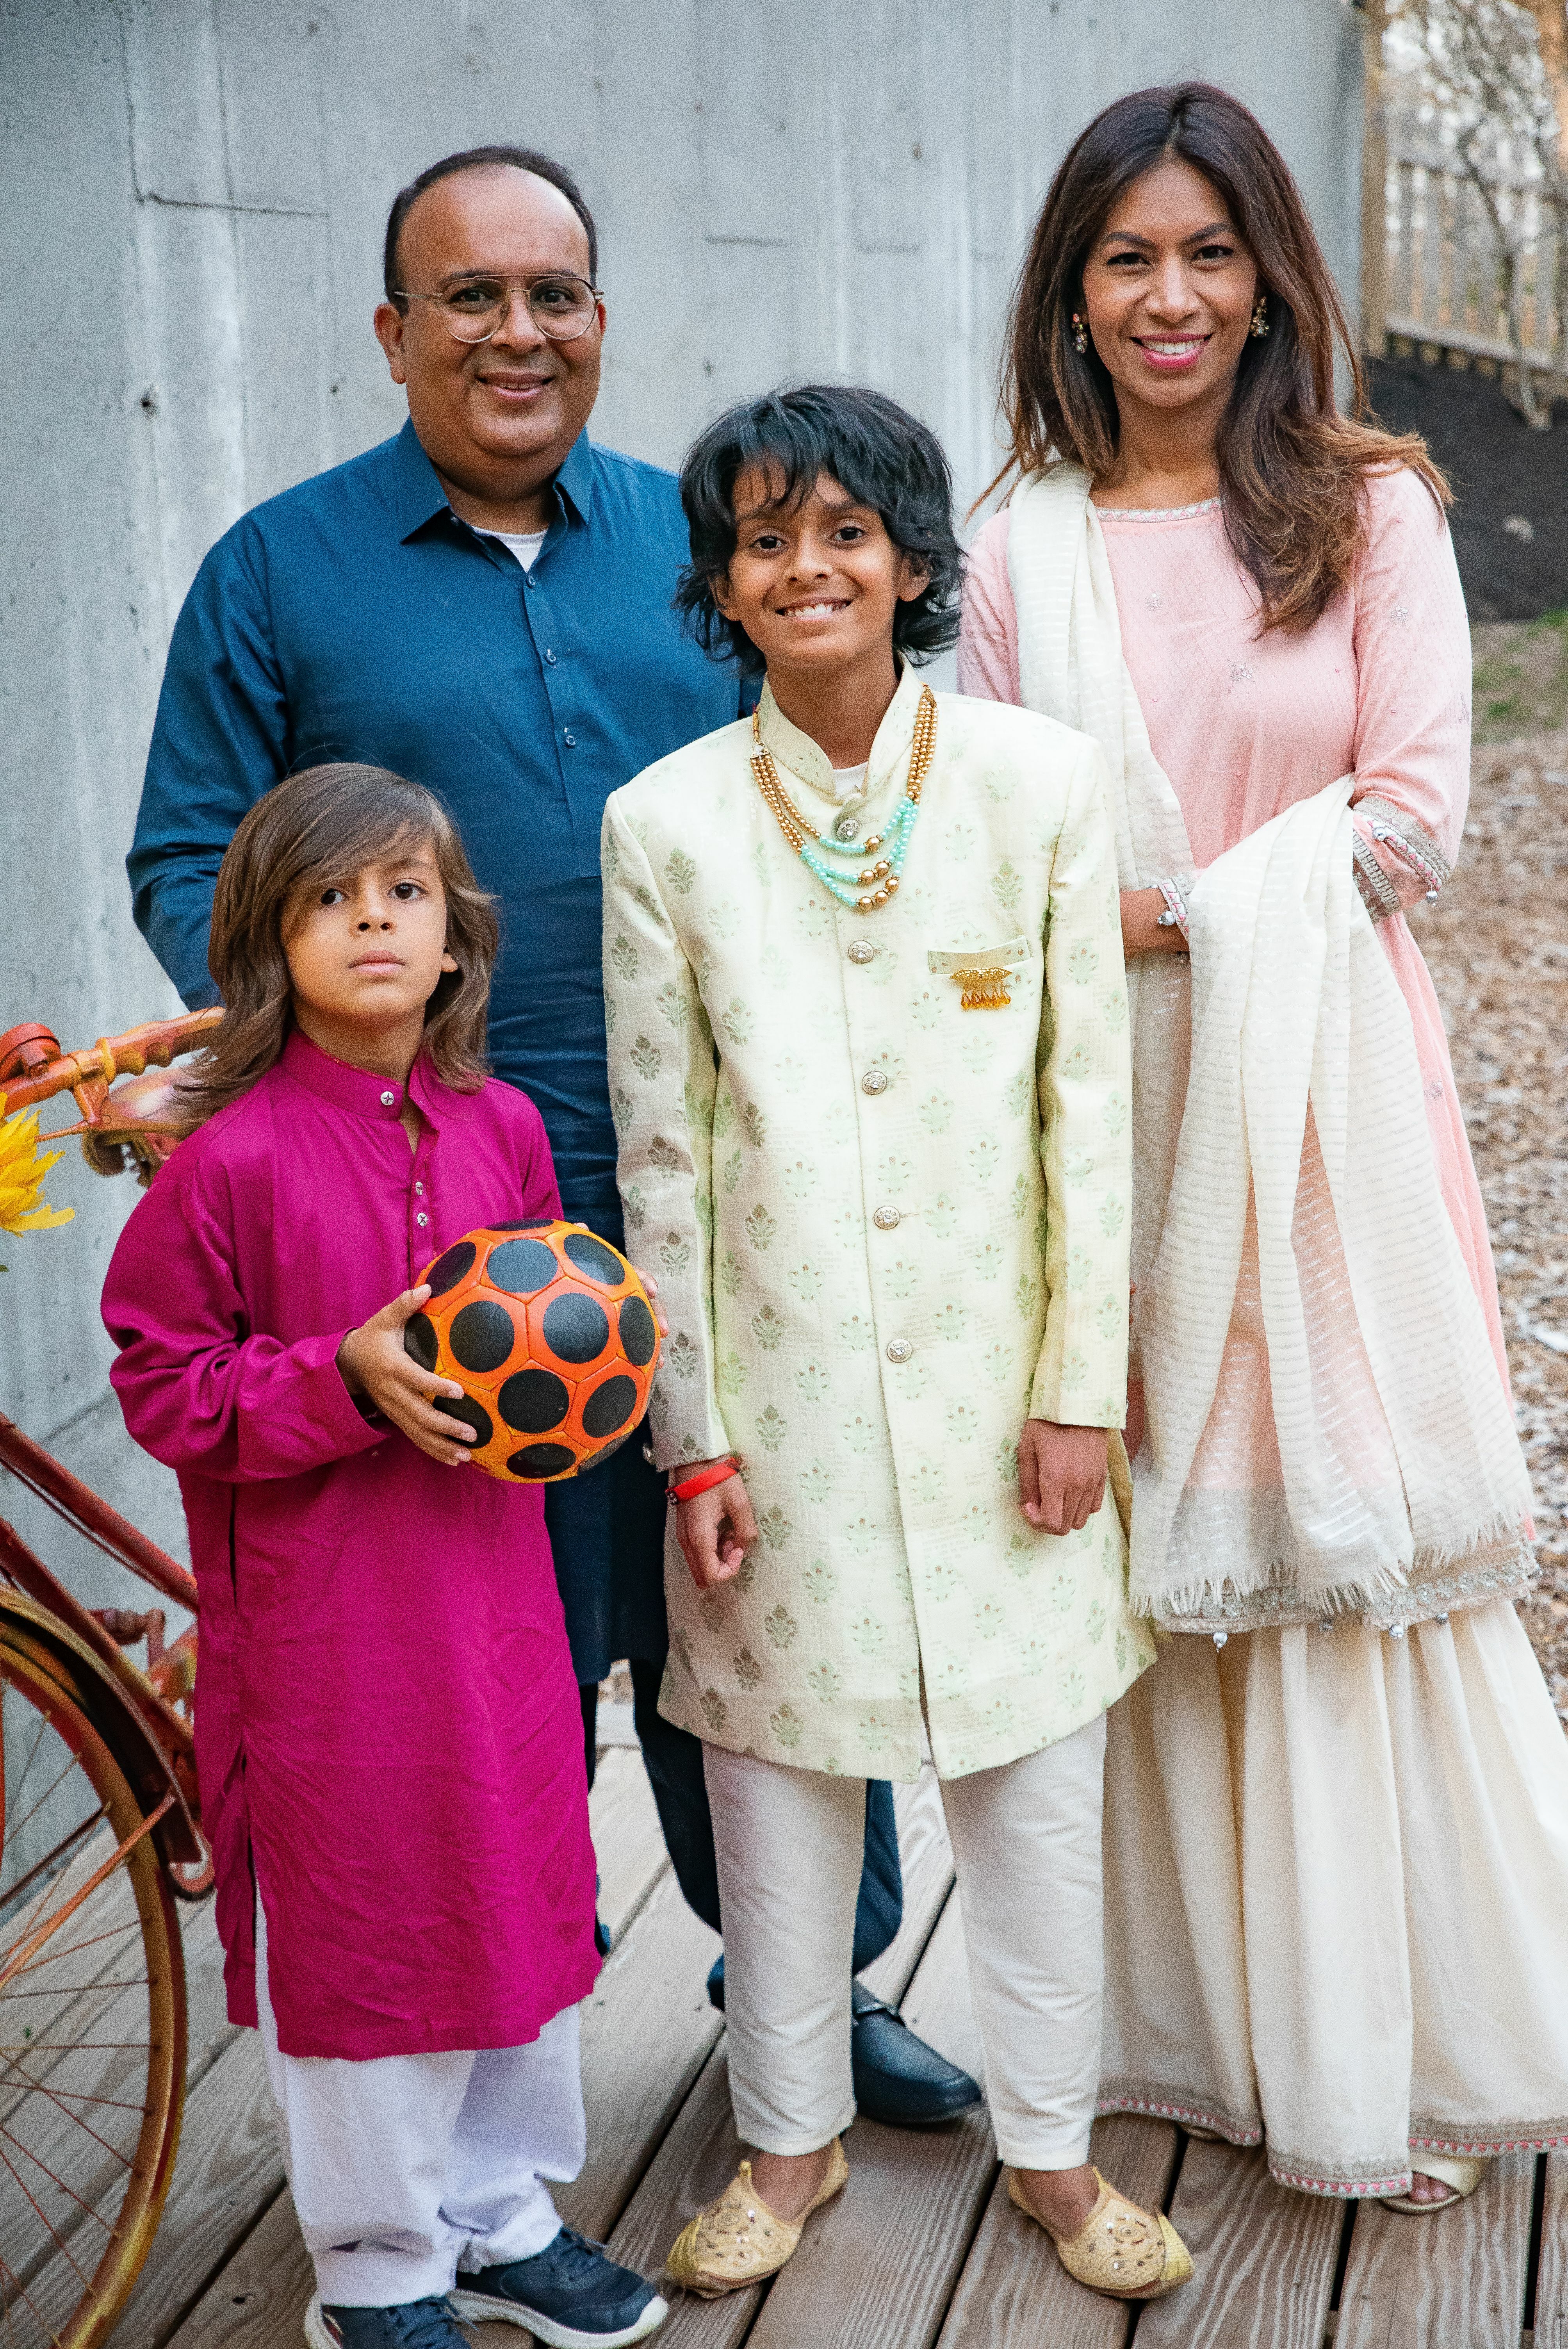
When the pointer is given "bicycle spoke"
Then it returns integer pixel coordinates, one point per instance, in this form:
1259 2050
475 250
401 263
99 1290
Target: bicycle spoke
52 1860
11 2299
42 2088
70 2046
14 1827
15 1793
73 1989
112 1933
58 2241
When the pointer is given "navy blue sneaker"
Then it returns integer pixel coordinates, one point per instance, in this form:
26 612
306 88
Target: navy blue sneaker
412 2324
571 2294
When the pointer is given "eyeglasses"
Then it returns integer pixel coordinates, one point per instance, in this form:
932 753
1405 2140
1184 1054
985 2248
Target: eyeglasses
562 307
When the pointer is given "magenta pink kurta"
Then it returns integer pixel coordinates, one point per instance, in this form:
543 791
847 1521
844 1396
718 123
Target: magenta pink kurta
1245 725
388 1728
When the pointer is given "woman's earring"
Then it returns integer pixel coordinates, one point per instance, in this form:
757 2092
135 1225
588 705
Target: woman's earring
1080 334
1259 324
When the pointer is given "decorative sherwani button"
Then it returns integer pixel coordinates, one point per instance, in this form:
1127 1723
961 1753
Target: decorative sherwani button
847 828
873 1081
862 950
421 1219
886 1219
899 1350
387 1099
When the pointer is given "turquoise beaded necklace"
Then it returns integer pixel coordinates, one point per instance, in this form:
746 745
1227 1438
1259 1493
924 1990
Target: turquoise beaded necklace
879 881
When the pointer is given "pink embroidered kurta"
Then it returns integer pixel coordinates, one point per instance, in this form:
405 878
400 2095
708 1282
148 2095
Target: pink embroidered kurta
1244 724
387 1729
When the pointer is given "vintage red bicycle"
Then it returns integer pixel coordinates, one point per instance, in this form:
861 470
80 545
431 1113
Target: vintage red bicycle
102 1821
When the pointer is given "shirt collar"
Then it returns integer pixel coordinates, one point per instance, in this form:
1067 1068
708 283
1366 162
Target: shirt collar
420 496
360 1092
809 764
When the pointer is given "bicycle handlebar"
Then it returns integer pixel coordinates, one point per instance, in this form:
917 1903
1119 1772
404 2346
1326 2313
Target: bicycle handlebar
32 1068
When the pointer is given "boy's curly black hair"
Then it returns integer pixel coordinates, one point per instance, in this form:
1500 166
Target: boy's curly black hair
877 451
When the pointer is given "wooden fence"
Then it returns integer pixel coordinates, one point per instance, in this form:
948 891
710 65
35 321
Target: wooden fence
1444 275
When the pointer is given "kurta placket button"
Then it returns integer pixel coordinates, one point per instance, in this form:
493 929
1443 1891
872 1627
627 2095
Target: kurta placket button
873 1081
886 1219
862 950
847 828
899 1350
421 1219
387 1099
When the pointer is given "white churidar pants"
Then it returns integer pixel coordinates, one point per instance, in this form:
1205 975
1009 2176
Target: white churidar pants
1027 1847
406 2167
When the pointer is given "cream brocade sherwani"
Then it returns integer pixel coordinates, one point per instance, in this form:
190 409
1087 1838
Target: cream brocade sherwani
838 1177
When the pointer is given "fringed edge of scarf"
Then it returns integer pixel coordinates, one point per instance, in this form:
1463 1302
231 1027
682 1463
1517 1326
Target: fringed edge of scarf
1496 1561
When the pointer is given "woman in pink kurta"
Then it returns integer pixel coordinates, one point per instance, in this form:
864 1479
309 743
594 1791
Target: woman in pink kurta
1337 1812
390 1738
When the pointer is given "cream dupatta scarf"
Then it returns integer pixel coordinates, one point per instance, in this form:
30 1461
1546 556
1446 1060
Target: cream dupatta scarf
1276 1079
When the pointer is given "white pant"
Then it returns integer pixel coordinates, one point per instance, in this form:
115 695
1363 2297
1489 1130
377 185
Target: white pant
405 2168
1027 1845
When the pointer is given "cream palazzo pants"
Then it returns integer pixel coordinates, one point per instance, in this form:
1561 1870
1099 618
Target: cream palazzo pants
1336 1896
1026 1847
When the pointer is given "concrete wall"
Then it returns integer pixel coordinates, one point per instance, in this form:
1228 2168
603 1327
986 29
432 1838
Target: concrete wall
191 200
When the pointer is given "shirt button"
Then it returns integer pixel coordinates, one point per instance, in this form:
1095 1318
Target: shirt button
420 1189
886 1219
549 657
847 828
862 950
421 1219
387 1099
569 739
873 1081
899 1350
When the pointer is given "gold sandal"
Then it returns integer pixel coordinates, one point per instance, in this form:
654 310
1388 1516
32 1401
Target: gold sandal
1121 2250
738 2240
1461 2173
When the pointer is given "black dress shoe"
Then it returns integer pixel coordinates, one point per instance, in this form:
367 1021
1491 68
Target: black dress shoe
899 2080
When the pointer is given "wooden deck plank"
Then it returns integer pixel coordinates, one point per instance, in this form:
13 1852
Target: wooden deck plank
697 2157
1456 2282
1264 2259
1014 2291
1551 2278
257 2300
624 1820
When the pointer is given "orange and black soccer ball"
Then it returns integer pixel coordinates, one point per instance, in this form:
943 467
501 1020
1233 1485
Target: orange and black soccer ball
550 1334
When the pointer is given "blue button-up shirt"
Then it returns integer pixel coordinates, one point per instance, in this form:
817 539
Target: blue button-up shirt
355 617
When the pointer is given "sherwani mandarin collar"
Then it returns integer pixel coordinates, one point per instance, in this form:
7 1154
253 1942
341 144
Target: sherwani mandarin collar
809 764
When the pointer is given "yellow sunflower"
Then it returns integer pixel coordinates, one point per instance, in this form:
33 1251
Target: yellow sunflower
22 1171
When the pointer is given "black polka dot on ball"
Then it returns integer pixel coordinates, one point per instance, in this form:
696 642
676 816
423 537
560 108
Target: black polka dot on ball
419 1340
639 1333
594 1260
575 1328
527 1224
482 1336
540 1460
609 1407
605 1452
534 1401
521 1267
472 1414
448 1269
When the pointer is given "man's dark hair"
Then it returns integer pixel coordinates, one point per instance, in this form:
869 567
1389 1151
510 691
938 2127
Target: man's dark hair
483 159
877 451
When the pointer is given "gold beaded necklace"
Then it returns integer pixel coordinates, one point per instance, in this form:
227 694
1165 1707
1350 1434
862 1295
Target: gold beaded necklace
884 875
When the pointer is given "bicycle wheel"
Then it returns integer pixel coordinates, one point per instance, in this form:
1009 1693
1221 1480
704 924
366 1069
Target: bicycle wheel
92 2013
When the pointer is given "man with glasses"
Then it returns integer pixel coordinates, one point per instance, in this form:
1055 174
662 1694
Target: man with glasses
483 604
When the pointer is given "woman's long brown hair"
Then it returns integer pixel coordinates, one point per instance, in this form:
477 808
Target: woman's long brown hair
319 827
1292 466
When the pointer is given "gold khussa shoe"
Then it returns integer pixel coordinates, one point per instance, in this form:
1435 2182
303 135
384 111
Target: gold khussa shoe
1121 2250
738 2240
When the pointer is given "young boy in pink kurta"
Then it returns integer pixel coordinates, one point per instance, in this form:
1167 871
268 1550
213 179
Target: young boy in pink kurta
389 1730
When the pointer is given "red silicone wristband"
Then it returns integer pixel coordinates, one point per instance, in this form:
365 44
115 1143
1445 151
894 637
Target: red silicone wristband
715 1473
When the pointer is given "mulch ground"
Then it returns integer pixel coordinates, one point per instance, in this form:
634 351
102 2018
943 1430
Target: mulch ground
1502 473
1497 943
